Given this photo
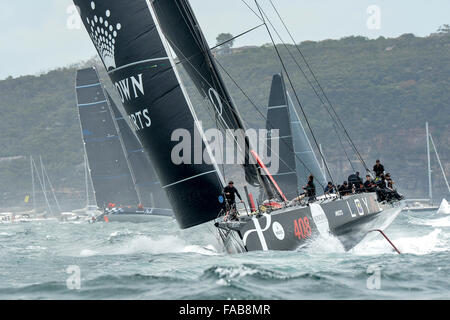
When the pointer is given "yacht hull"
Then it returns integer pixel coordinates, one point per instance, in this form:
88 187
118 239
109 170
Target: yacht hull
134 215
349 219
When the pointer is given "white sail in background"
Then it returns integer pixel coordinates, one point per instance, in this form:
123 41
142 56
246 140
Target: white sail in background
444 208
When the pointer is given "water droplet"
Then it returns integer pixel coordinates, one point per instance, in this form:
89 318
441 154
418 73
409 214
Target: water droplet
93 5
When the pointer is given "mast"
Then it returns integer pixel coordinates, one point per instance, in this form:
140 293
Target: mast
32 183
51 187
86 169
42 187
323 162
430 191
440 164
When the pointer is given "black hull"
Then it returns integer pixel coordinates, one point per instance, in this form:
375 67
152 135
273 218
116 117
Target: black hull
134 215
349 219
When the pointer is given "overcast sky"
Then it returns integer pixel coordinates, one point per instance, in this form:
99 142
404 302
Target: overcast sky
34 36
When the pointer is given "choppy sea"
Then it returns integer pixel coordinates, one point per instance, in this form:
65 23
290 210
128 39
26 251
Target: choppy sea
157 260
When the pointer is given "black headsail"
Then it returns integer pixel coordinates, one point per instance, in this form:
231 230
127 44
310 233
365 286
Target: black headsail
183 32
278 118
110 173
131 48
147 184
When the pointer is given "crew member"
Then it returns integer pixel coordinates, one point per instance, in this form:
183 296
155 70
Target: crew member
378 168
369 186
389 182
344 189
355 180
230 193
390 186
330 188
310 188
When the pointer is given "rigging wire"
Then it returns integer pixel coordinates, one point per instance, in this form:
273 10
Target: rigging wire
293 88
224 125
266 119
236 37
321 88
312 86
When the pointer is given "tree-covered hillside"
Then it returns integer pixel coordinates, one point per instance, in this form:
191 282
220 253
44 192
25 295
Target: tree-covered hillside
384 90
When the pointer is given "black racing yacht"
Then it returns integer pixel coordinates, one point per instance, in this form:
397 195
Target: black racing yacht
124 182
289 225
135 40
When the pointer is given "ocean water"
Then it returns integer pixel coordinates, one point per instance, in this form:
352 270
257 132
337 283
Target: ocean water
69 260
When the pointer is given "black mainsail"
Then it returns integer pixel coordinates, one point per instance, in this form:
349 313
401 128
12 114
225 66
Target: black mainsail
145 179
130 45
278 118
111 176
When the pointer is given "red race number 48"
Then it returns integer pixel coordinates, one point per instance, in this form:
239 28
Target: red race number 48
302 228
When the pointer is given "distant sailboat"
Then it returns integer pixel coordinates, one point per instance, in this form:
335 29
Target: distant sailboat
90 210
147 185
44 210
444 208
114 182
427 204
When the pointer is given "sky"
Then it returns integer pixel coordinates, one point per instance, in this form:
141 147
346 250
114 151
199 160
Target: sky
37 36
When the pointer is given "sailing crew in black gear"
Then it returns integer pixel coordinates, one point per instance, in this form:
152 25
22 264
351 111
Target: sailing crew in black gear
345 189
378 168
330 188
369 186
230 191
355 180
310 188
